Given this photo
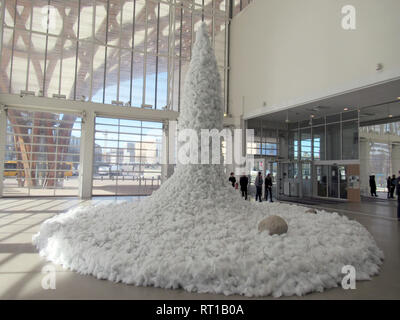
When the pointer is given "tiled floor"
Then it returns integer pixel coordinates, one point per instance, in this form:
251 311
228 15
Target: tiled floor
21 267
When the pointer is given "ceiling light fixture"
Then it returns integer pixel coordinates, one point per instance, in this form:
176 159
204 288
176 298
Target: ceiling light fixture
346 109
390 116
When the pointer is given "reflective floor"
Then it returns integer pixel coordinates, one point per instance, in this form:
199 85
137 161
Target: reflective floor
21 267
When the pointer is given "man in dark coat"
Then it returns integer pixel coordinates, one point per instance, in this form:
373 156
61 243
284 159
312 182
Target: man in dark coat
244 182
388 184
232 179
258 183
372 185
398 196
268 187
393 186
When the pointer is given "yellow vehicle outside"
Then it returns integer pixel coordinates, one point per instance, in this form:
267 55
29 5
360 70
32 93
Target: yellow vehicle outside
67 168
10 169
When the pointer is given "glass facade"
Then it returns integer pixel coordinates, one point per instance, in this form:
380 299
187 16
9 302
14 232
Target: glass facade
127 157
133 53
333 137
265 143
380 152
126 52
42 154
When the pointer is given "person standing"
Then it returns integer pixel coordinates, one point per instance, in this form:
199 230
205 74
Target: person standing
372 186
393 183
388 184
398 196
244 182
232 179
268 187
259 182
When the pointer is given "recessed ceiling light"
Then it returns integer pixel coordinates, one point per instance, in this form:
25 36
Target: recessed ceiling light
312 116
346 109
390 116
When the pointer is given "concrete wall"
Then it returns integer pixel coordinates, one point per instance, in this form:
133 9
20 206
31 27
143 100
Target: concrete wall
287 52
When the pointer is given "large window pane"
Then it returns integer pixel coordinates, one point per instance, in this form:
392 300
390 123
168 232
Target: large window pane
350 140
319 142
42 154
83 49
137 80
293 144
127 157
333 142
305 144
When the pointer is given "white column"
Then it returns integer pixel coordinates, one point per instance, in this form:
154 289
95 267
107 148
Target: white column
166 170
3 132
168 150
395 159
232 166
87 156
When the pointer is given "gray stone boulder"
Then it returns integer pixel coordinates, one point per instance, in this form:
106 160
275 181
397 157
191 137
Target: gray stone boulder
274 225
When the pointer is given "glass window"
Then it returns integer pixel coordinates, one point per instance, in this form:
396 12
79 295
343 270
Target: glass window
42 154
305 124
350 115
319 142
333 118
318 121
306 146
322 180
333 142
127 157
293 144
293 126
350 140
93 50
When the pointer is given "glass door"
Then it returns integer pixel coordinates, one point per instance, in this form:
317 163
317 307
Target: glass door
322 181
333 179
306 179
343 182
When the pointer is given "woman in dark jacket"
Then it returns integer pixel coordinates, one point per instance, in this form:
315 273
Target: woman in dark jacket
393 186
388 186
372 185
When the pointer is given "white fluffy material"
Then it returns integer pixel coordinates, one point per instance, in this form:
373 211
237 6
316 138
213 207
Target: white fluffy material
197 233
201 236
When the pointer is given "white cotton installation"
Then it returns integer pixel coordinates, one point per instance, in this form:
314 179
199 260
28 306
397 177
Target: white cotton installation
197 233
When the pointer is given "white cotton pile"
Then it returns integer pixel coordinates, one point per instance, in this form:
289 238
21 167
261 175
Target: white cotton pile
197 233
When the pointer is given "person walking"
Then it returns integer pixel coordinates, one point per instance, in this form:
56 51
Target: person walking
388 184
259 182
393 183
268 187
244 182
232 179
372 186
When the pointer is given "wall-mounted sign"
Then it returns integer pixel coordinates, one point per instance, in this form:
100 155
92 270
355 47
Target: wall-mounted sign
354 182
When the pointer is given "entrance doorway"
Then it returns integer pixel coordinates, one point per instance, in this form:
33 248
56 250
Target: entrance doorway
331 181
266 166
288 179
